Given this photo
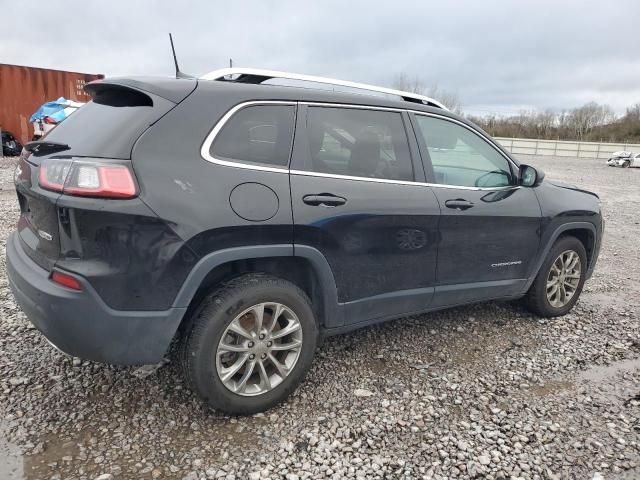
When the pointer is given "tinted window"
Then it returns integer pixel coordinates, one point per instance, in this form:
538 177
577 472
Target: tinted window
461 157
109 125
358 143
258 134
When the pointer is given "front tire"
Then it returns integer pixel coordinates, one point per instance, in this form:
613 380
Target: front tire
559 282
249 344
626 164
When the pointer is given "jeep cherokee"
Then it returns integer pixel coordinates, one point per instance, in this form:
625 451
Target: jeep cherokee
247 220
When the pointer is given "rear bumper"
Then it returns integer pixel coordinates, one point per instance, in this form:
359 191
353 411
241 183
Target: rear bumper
81 324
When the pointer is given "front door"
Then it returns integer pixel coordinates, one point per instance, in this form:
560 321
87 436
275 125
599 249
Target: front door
489 228
355 199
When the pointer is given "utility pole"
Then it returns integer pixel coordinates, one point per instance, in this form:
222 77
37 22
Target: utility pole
231 63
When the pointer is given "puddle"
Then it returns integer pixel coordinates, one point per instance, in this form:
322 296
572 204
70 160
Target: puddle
11 466
603 378
603 373
550 387
67 454
54 454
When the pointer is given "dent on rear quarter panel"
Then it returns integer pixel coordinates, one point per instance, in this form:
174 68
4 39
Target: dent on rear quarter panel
132 258
191 194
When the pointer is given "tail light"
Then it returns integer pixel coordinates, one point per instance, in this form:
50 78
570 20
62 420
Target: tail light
88 179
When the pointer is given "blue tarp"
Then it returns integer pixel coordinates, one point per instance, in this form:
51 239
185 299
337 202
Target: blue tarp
54 110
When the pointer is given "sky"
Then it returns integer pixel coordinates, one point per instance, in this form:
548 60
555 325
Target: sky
499 57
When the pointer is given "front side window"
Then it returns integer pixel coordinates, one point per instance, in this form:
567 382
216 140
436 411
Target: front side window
462 158
358 143
258 134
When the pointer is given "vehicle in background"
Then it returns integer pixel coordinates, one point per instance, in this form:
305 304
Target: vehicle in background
624 159
51 114
10 146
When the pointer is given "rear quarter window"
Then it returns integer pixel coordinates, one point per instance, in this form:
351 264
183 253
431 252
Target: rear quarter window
257 134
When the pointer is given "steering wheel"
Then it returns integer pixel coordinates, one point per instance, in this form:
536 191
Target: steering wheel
479 180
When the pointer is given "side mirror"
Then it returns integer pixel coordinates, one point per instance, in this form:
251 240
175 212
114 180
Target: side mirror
530 177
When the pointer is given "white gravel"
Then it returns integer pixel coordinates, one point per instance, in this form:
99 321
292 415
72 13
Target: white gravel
487 391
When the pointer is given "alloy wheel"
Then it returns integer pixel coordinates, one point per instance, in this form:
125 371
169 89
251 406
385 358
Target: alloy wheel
259 349
563 278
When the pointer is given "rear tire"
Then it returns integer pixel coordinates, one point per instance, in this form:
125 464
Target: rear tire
211 348
545 296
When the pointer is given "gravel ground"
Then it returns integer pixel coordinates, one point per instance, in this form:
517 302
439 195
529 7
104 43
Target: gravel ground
487 391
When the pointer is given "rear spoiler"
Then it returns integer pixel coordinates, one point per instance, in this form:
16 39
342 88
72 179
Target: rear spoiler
43 147
173 89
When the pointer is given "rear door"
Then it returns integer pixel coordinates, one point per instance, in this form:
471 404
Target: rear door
105 128
489 228
356 200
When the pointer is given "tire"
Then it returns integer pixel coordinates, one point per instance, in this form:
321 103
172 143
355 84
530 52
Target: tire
626 164
200 342
537 299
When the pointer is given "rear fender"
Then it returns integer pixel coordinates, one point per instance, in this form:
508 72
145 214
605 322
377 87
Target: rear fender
332 315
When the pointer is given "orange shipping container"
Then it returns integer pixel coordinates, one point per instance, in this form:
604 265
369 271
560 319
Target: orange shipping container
24 89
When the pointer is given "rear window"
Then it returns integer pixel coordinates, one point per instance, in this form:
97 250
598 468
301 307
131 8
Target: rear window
109 125
259 134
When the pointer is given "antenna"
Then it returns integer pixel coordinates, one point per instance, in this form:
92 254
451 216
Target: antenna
179 74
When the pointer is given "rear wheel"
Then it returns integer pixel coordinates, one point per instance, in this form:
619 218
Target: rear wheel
560 280
250 344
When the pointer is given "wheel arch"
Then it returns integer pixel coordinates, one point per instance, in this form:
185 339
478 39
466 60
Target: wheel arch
585 232
588 239
304 266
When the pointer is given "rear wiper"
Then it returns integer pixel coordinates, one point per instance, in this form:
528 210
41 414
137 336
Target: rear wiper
44 147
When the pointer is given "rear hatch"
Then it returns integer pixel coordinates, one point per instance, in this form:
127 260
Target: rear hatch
104 130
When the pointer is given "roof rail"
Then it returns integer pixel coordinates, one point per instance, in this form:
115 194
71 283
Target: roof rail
255 75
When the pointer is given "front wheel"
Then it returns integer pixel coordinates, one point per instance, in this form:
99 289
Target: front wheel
626 164
560 280
250 344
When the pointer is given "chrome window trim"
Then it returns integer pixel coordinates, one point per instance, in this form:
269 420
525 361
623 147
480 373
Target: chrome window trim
206 146
396 182
224 72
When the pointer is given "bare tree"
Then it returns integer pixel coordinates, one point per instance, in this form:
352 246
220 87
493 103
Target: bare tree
591 122
585 118
403 82
451 100
633 113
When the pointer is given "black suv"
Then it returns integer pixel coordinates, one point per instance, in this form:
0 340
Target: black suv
248 220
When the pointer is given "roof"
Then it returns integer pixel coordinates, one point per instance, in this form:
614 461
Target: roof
257 76
303 94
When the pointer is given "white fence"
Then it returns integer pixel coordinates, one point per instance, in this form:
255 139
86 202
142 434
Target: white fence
529 146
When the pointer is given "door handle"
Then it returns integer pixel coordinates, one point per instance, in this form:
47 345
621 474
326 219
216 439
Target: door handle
459 204
324 199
